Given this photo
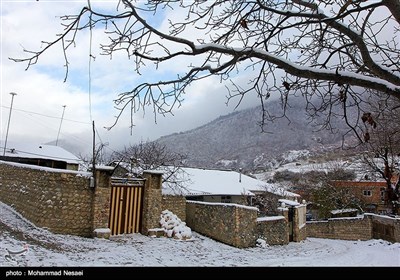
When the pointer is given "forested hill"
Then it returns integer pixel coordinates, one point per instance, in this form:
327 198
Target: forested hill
236 140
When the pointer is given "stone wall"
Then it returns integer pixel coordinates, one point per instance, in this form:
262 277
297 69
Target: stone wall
232 224
358 228
385 227
299 223
101 200
364 227
60 200
176 204
274 230
152 201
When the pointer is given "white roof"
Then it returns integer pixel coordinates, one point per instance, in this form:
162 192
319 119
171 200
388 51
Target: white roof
225 182
41 151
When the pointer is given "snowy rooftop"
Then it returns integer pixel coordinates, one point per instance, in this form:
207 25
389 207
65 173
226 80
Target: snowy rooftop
41 151
225 182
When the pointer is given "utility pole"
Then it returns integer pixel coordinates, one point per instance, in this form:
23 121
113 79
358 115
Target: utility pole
8 125
94 155
59 129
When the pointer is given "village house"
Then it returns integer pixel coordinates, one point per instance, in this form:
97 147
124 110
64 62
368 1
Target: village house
39 154
218 186
372 194
228 186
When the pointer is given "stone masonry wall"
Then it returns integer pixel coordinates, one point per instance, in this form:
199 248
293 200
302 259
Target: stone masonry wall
232 224
60 200
176 204
274 230
365 227
385 227
152 201
357 228
300 229
101 199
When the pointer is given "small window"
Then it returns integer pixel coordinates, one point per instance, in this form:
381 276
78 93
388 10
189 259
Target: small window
226 199
382 194
367 193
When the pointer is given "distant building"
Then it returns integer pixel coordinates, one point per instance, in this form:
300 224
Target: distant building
39 154
371 193
227 186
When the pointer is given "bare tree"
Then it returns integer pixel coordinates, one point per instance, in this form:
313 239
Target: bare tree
334 53
382 155
154 156
99 157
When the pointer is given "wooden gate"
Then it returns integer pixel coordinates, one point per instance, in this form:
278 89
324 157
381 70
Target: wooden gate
291 223
126 205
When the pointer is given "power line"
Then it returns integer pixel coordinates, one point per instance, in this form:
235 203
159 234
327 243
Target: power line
43 115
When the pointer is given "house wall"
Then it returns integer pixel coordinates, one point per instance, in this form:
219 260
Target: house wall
358 188
229 223
365 227
59 200
239 199
176 204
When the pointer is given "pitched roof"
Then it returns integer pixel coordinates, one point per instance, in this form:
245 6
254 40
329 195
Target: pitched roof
225 182
40 151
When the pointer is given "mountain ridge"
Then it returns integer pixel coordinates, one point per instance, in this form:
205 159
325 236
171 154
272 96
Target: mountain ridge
236 140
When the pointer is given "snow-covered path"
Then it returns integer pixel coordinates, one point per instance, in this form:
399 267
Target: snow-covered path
47 249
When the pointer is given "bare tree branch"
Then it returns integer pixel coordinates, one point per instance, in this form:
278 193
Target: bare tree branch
336 54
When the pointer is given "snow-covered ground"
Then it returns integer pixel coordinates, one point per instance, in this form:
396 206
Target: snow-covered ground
55 250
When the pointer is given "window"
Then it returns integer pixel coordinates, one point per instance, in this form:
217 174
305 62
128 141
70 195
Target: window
367 193
382 194
226 199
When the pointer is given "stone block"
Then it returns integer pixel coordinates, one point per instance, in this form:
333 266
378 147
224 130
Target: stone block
102 233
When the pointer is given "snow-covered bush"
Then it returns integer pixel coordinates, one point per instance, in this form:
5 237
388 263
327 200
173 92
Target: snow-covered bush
173 226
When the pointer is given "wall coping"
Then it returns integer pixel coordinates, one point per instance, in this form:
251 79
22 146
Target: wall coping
223 204
359 217
271 218
383 216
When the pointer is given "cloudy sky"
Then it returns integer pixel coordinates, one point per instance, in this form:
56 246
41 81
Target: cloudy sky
42 92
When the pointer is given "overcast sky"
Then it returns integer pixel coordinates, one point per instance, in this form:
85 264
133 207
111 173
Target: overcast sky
42 92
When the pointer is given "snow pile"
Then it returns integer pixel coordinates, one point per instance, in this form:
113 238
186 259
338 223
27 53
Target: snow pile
173 226
261 243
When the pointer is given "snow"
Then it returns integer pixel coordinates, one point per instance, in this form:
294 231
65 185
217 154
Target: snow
225 182
136 250
102 230
174 227
348 210
289 202
272 218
